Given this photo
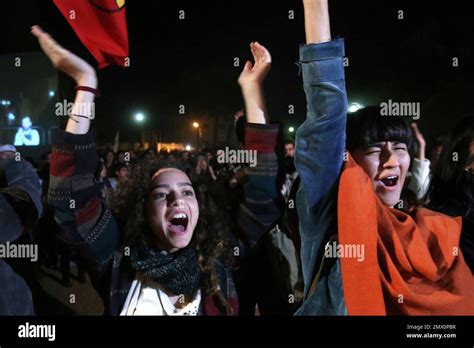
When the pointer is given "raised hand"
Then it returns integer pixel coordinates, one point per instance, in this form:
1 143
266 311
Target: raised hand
421 141
250 81
80 71
64 60
256 73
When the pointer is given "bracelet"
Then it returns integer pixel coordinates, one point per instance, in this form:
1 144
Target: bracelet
82 116
72 118
94 91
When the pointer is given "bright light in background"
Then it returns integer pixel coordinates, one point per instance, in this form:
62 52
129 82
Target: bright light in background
139 117
51 93
6 102
291 129
11 116
188 147
195 125
355 107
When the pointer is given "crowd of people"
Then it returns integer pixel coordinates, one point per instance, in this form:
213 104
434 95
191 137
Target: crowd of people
183 233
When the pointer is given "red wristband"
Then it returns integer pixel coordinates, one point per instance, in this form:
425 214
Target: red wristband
95 91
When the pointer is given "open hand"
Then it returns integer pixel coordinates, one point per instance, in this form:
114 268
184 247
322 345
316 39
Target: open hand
419 137
64 60
255 73
421 141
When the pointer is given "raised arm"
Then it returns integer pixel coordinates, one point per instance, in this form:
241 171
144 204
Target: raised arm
320 141
316 20
260 140
319 158
85 222
421 155
420 168
251 84
81 72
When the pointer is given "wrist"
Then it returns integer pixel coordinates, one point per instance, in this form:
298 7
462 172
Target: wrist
87 81
251 87
421 155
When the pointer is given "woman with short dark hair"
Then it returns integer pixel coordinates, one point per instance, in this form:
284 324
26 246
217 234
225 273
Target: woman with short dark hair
360 255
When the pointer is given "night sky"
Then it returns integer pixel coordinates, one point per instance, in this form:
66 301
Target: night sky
190 61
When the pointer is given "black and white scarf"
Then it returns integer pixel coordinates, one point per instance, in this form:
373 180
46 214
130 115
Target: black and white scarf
178 272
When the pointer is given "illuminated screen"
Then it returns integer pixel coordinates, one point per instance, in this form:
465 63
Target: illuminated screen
27 99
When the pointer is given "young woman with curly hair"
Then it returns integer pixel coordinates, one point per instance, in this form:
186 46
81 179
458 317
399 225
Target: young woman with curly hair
160 249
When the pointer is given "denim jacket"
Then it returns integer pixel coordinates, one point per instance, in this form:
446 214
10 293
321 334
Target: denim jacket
320 147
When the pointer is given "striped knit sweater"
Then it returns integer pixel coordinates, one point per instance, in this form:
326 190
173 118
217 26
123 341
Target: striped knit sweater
259 212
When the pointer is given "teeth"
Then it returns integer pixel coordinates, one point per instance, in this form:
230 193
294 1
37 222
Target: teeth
179 216
390 177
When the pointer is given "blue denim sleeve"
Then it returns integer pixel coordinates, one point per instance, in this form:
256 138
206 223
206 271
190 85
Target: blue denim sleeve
320 146
320 140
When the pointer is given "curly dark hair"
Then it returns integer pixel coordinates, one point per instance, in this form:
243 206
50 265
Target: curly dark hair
210 235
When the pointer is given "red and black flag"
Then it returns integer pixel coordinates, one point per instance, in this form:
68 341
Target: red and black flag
101 26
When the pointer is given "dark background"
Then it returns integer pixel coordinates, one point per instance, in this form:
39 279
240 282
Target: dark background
190 61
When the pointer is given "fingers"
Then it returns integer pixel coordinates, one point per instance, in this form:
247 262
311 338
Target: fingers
248 65
254 52
414 126
256 72
263 54
37 31
46 42
418 134
41 35
260 53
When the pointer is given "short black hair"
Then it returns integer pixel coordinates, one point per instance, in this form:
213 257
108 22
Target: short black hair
367 126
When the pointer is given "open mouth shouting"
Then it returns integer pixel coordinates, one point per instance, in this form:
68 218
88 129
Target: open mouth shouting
178 223
389 182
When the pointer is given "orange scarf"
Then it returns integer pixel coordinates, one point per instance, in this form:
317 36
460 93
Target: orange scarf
410 267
